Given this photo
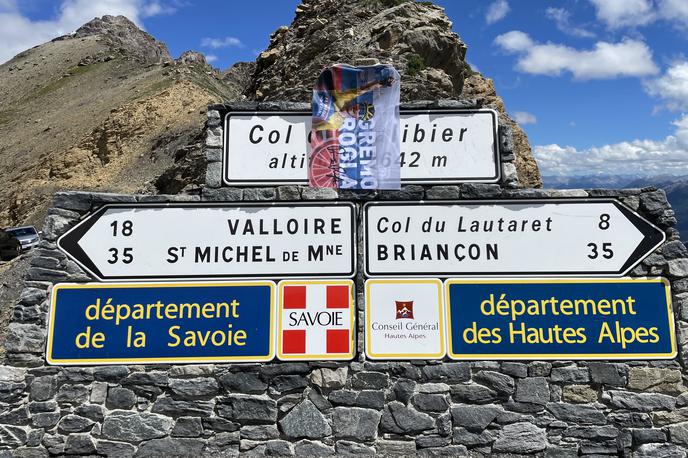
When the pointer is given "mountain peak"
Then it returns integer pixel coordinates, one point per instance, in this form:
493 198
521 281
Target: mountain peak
126 37
98 25
416 37
192 57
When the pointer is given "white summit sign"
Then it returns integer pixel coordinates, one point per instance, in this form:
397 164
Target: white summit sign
437 146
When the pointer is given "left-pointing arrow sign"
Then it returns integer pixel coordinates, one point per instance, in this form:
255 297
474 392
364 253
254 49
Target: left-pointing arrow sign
206 241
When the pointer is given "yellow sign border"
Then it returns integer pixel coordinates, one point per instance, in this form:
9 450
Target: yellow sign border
352 309
562 356
167 360
405 356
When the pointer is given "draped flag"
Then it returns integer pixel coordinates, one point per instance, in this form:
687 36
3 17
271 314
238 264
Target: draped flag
354 139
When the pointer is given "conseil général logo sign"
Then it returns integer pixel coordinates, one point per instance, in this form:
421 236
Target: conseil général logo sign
404 319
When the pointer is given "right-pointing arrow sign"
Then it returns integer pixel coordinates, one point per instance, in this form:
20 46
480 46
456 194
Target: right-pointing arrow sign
508 238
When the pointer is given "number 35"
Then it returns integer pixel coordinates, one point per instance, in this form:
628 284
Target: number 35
607 252
127 256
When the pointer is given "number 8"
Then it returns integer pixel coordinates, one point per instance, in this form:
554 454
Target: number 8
604 221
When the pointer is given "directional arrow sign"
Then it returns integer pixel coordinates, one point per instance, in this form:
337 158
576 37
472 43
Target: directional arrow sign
192 241
517 237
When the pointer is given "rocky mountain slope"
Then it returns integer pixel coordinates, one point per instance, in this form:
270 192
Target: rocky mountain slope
104 108
415 37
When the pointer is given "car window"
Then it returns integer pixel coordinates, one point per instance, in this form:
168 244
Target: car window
22 231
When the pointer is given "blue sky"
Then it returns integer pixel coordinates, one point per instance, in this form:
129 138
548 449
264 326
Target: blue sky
600 86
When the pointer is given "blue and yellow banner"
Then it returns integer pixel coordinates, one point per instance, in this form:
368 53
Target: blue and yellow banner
623 318
137 323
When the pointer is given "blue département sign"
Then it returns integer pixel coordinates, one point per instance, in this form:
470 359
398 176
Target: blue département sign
161 323
626 318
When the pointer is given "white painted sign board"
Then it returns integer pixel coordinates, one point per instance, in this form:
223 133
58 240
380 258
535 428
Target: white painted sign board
206 240
404 319
516 237
437 146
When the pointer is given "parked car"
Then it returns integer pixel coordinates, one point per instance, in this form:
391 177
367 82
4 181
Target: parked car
10 246
28 236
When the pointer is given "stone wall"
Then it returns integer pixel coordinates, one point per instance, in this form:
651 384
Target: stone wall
433 408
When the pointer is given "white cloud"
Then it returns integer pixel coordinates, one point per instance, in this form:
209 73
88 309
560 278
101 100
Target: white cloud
514 41
497 11
676 10
561 18
8 5
210 58
637 157
672 87
623 13
523 117
634 13
604 61
682 131
226 42
155 8
18 32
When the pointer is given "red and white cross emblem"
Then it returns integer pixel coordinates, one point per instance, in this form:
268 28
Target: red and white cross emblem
316 320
